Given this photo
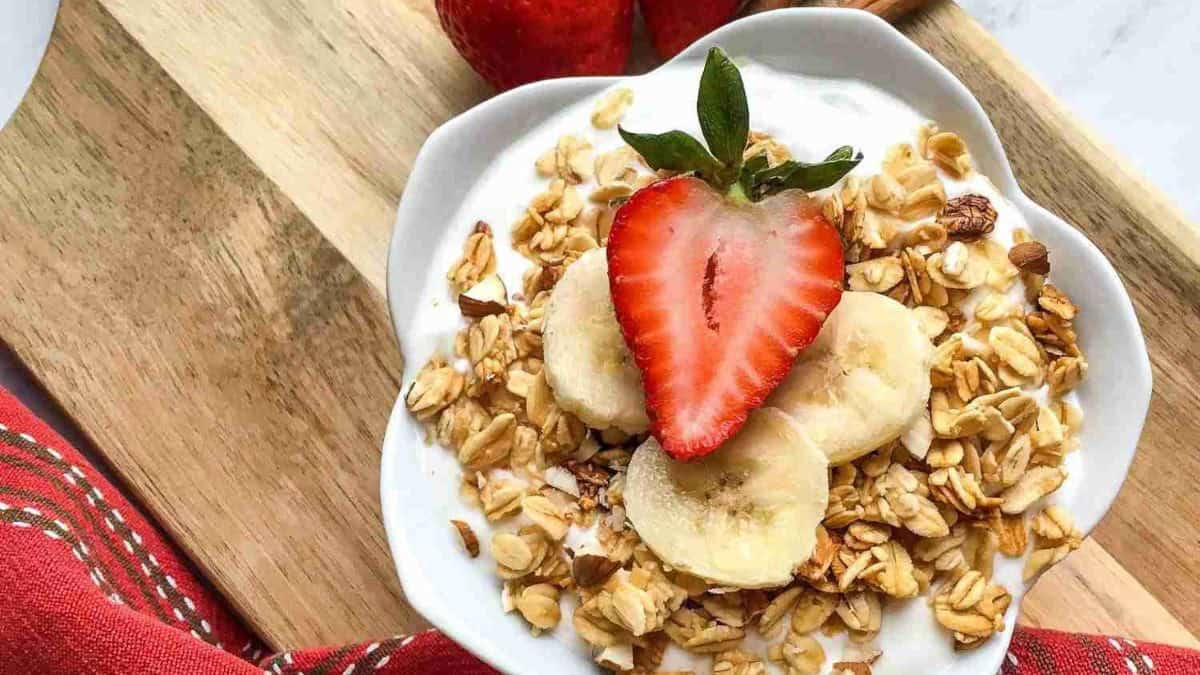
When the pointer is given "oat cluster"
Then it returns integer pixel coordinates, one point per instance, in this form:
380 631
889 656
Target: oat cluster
924 515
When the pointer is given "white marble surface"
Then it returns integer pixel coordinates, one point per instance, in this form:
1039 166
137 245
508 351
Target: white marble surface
1130 69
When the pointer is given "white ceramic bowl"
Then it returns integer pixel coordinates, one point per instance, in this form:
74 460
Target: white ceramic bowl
419 489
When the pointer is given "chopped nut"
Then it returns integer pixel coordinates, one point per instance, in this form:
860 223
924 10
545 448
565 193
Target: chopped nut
592 570
1056 302
474 309
968 217
649 656
1031 257
467 536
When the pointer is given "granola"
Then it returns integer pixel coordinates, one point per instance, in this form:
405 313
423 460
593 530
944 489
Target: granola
923 515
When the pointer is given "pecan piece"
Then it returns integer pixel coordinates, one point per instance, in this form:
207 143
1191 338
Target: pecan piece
469 541
1030 256
968 217
591 570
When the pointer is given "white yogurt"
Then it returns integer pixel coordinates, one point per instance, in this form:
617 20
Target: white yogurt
811 116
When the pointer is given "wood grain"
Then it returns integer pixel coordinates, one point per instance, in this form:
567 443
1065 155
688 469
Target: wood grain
330 100
196 211
230 363
1090 592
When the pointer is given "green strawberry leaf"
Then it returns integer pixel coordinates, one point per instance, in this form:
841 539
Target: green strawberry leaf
722 108
725 122
750 169
793 175
844 152
675 151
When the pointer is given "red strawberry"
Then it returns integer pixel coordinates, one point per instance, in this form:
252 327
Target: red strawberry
716 297
512 42
675 24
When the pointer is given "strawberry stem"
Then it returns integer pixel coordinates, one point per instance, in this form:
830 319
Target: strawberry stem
737 194
725 122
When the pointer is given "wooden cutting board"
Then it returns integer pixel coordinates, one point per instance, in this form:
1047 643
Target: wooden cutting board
195 203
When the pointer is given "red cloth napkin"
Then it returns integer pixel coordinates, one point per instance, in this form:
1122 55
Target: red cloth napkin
89 586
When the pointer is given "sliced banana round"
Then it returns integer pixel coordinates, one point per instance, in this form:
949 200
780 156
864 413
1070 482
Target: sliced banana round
745 515
863 381
588 365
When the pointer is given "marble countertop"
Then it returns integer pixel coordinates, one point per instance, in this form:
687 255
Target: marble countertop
1126 68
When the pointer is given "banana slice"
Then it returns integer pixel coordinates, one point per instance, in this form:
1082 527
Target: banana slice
863 381
588 365
744 516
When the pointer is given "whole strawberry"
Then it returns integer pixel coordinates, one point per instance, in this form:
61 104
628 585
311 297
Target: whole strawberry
675 24
512 42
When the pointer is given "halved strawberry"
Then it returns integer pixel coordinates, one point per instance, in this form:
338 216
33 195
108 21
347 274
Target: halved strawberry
721 277
716 296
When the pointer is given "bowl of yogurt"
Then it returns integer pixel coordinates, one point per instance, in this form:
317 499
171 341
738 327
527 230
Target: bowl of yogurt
815 78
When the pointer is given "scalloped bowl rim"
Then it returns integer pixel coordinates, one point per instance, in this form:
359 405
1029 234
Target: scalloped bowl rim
430 169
